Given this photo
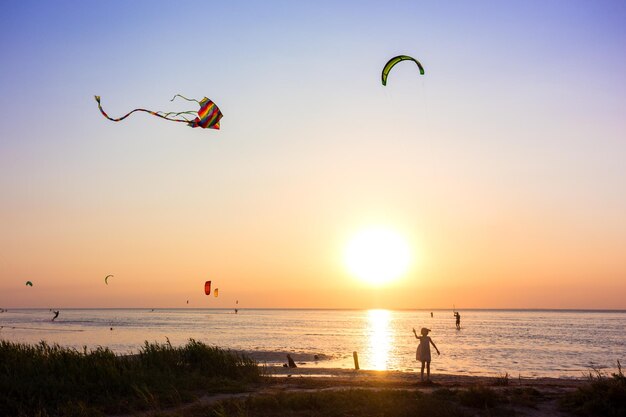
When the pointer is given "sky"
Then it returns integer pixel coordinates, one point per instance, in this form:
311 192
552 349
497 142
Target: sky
502 167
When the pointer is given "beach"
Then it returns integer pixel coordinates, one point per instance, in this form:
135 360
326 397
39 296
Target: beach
533 397
199 379
501 362
526 343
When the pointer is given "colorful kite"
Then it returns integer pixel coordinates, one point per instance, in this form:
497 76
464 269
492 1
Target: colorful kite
393 61
207 288
216 292
208 117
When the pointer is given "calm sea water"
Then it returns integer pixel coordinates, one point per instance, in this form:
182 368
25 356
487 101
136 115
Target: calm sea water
526 343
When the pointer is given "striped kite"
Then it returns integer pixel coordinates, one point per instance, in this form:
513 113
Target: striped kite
208 117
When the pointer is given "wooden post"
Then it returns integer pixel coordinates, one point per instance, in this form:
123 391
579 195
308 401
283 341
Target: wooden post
356 360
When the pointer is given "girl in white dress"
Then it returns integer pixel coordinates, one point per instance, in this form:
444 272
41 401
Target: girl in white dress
423 351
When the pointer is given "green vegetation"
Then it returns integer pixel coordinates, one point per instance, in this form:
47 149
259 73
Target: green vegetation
479 397
352 402
363 402
46 380
604 396
502 380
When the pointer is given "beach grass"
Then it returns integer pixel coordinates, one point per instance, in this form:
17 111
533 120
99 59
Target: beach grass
466 402
604 395
49 380
350 402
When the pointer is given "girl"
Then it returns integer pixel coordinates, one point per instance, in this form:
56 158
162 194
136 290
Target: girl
423 351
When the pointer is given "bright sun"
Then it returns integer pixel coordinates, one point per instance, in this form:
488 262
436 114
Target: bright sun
377 255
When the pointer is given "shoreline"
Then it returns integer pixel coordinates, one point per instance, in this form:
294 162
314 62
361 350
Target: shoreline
393 377
197 380
526 397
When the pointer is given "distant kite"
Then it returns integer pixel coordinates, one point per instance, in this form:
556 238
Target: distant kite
207 288
208 117
30 284
216 292
106 279
393 61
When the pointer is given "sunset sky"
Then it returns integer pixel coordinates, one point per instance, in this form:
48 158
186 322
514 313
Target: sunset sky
503 168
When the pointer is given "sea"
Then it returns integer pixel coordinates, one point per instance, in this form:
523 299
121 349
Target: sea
517 343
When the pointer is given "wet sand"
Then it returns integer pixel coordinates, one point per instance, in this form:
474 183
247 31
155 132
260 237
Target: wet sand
398 379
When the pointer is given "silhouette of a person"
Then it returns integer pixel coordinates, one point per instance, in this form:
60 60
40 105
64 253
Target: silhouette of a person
56 314
458 320
423 351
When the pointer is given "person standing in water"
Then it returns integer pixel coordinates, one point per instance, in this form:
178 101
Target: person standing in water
56 314
458 320
423 351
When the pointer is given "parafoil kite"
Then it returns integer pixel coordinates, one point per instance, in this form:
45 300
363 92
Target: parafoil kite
216 292
393 61
30 284
207 288
106 279
208 117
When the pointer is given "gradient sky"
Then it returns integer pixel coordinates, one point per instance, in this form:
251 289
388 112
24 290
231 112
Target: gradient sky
504 166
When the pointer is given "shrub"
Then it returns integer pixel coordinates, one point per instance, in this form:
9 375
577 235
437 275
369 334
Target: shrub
51 380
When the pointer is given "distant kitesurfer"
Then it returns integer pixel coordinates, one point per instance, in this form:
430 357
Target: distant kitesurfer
431 314
458 320
56 314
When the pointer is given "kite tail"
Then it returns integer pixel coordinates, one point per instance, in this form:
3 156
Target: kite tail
131 112
188 99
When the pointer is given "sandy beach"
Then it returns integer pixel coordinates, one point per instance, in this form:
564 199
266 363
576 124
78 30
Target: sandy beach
533 397
400 379
200 380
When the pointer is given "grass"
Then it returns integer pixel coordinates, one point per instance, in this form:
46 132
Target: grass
604 395
477 401
352 402
502 380
49 380
479 397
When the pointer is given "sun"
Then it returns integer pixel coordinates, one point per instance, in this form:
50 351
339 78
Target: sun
377 255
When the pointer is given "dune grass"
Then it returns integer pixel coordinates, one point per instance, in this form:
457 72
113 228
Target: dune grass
475 401
604 395
354 402
49 380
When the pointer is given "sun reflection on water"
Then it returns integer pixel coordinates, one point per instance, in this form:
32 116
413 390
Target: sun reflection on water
380 338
